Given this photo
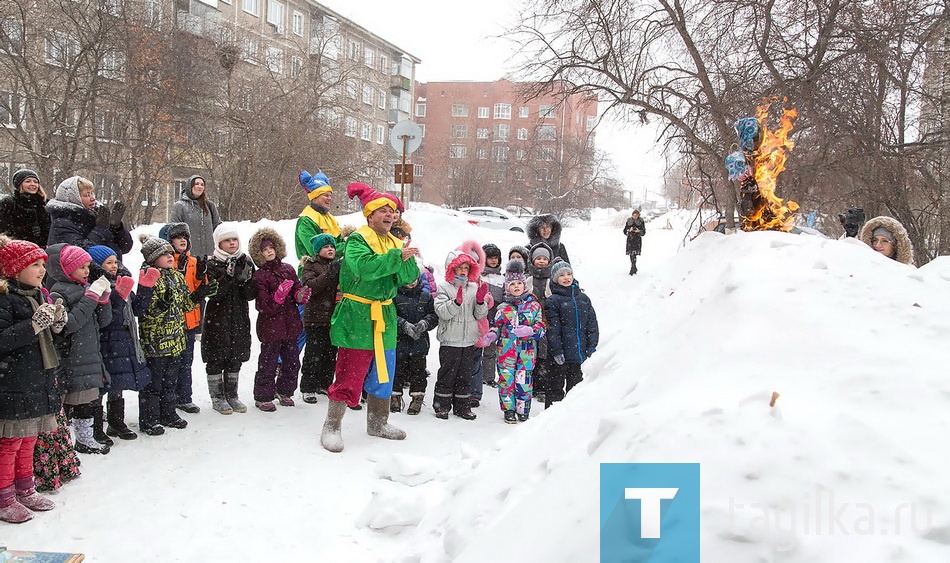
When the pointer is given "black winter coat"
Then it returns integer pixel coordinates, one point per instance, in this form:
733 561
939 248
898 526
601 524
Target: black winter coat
558 250
571 322
226 334
634 238
78 343
322 277
74 224
413 305
116 339
23 216
26 389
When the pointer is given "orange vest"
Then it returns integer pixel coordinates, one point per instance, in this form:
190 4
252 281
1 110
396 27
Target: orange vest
192 317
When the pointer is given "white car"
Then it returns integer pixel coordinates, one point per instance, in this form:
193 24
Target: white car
495 218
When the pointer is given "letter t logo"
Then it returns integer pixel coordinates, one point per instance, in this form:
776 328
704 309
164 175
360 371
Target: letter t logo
649 508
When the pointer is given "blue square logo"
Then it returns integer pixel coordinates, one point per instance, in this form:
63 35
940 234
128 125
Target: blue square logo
649 512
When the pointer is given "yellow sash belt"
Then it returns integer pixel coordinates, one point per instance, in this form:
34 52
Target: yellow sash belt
379 327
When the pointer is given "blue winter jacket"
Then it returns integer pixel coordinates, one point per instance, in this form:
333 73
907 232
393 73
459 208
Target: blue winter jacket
116 340
572 323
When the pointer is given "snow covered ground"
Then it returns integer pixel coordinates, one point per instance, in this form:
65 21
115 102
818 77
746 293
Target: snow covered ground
691 351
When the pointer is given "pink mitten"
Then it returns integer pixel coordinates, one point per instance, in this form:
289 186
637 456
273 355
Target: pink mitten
282 291
523 331
481 292
488 339
149 277
123 286
104 298
460 295
303 295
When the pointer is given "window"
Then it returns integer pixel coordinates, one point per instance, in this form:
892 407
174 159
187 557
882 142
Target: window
422 126
547 133
420 110
381 97
296 66
483 113
383 64
9 109
457 151
353 50
153 13
61 50
249 50
547 111
520 154
106 125
11 37
251 7
523 111
543 175
247 100
380 134
369 95
481 133
350 129
366 131
369 57
591 122
499 154
459 131
545 153
459 110
352 88
502 111
274 60
522 134
298 23
482 153
112 65
501 131
417 170
453 172
275 15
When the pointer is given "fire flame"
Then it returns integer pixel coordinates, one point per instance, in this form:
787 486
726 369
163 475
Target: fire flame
769 162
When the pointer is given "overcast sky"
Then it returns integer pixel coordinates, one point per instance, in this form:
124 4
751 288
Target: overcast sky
460 41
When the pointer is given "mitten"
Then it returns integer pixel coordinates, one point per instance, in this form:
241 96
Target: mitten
203 291
147 278
303 295
334 269
43 317
488 339
182 262
481 292
522 331
559 359
460 295
410 330
282 290
123 286
59 316
98 287
422 327
245 273
118 211
104 298
201 267
103 216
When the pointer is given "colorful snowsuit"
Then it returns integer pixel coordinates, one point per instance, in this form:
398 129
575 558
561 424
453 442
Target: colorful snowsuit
516 356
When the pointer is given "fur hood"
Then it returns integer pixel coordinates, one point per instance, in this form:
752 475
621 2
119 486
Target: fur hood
905 250
262 234
469 252
535 224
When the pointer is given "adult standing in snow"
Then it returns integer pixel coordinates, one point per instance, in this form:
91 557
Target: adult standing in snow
547 229
79 220
887 236
634 229
23 215
199 213
363 326
316 218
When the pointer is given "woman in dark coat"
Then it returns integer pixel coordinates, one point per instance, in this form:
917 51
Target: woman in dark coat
547 229
634 229
79 220
195 209
23 215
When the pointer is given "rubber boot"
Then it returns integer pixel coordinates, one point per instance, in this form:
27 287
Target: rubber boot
219 401
97 422
27 496
377 420
231 392
115 419
85 443
332 436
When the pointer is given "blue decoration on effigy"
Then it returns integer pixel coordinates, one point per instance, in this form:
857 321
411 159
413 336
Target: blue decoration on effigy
737 165
749 132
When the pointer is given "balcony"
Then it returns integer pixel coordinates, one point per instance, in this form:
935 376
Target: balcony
399 83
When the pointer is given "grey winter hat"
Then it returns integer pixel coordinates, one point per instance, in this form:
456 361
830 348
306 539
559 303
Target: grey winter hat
540 250
154 247
559 268
883 232
20 175
68 189
514 272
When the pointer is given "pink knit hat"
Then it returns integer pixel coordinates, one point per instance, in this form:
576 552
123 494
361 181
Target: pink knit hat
71 258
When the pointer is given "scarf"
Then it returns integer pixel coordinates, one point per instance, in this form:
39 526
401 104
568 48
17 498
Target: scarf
45 336
224 256
323 219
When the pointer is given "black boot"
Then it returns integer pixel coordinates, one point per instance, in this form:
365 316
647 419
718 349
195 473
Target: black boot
148 414
115 419
169 417
462 407
97 433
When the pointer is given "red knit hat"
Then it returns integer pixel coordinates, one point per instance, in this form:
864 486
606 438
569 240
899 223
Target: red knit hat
71 258
16 255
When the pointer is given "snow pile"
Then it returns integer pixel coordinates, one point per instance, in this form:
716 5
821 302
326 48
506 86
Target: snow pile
686 367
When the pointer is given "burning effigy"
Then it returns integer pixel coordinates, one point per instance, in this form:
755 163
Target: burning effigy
756 166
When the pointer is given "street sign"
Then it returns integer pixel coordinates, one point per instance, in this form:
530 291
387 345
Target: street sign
405 136
403 174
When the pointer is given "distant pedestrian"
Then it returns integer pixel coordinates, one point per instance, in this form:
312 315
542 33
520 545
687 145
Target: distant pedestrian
634 229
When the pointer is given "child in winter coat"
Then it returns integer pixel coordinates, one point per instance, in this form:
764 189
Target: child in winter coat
163 333
226 336
179 235
322 275
484 373
89 311
518 326
415 314
278 320
122 352
459 304
29 399
572 332
539 285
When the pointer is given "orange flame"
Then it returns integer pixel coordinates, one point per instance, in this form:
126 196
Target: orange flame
769 162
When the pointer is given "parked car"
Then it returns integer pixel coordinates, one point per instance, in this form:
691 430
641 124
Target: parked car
495 218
